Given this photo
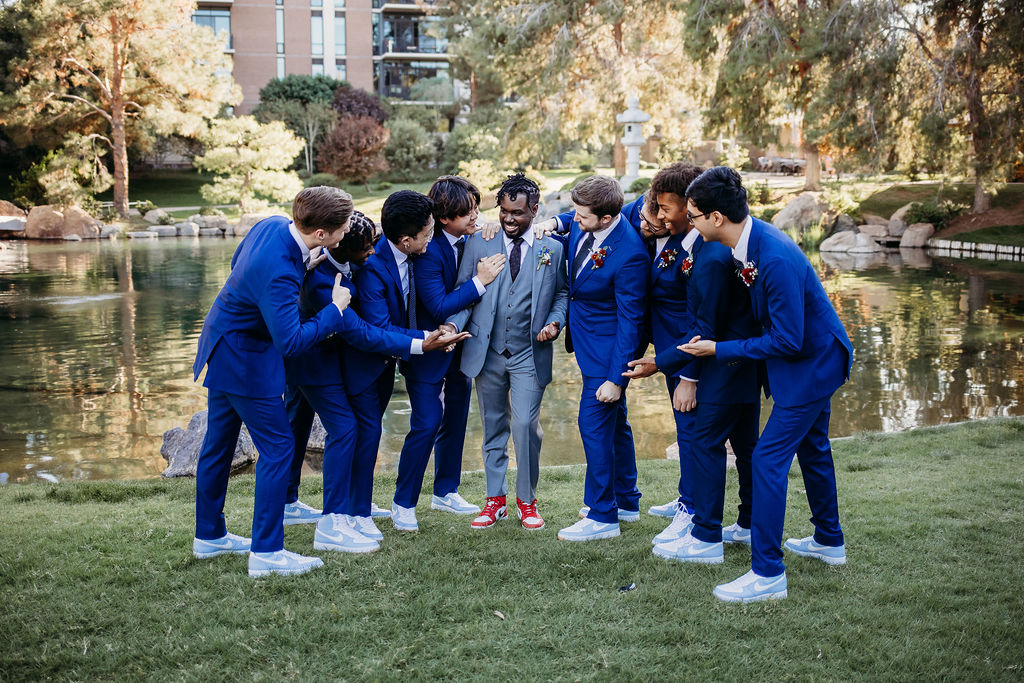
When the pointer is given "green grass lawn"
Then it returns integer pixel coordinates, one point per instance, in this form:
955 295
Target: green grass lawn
98 582
1003 234
885 202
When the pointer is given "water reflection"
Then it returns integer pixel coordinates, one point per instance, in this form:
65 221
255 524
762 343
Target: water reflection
98 341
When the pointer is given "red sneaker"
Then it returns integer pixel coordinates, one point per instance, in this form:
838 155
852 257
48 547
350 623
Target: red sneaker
492 512
528 515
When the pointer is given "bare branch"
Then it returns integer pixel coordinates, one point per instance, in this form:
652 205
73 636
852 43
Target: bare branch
89 72
76 98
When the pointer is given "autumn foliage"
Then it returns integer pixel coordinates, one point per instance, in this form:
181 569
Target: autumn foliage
354 150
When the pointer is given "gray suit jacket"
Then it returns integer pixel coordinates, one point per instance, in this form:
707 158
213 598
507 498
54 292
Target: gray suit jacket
549 302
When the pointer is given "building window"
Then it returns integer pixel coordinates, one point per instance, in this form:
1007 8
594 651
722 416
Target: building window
318 67
218 20
316 3
423 81
339 34
376 33
340 71
404 33
279 20
316 31
280 67
279 3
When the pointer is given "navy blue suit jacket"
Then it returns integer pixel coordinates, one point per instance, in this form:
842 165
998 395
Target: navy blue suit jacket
799 326
719 309
437 299
321 365
254 322
380 303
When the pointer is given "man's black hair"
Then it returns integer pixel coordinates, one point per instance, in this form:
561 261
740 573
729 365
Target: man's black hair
453 197
516 185
361 230
405 213
720 189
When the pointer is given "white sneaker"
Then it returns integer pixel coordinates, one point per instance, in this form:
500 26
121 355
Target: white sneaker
453 502
366 527
300 513
690 549
376 511
335 532
667 510
734 533
681 524
228 543
588 530
404 519
624 515
281 562
753 588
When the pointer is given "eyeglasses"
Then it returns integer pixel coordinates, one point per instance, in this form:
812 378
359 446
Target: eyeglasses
692 218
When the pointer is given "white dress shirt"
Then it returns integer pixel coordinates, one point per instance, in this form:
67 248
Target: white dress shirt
599 237
739 252
452 239
527 237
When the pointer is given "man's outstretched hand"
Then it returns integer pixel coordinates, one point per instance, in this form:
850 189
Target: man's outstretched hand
642 367
444 337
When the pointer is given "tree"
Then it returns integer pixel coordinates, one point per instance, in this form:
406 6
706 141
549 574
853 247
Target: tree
409 151
352 102
816 60
572 64
103 67
354 150
250 159
974 57
304 104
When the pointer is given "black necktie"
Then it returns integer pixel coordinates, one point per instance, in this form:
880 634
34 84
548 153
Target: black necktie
412 297
736 262
515 258
460 247
583 253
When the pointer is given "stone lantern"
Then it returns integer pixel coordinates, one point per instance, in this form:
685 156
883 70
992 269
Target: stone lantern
633 140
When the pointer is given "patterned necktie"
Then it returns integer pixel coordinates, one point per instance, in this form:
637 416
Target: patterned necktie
582 254
651 247
460 248
515 258
736 262
412 296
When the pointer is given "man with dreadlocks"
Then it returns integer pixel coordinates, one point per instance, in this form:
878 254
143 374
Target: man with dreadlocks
510 350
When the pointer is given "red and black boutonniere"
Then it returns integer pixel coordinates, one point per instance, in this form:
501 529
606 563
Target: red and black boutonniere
748 273
686 266
667 257
599 256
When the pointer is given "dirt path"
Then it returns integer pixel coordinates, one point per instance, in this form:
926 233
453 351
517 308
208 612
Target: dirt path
977 221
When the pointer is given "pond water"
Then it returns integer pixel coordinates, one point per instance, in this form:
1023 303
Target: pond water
97 341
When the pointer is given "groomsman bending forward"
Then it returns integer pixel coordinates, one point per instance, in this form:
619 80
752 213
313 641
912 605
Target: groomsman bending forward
510 350
807 356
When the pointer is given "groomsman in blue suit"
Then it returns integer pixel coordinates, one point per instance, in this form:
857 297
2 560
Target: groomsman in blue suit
252 326
608 265
510 350
807 357
316 385
438 390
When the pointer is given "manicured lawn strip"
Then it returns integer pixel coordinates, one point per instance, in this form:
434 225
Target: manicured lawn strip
1012 235
98 582
886 202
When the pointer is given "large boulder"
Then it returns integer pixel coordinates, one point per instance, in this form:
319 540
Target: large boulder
246 222
844 223
156 217
209 221
181 448
840 242
187 229
78 222
165 230
44 223
897 226
875 232
873 219
12 226
917 236
864 245
8 209
802 212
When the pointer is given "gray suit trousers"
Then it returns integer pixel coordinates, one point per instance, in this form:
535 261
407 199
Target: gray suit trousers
509 386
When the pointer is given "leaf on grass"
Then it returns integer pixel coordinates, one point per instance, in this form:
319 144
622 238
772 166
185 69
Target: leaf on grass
499 615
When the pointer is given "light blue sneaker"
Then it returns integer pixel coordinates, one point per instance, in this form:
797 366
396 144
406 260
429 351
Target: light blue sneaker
690 549
680 526
404 518
588 530
734 533
624 515
366 527
281 562
453 502
336 532
666 510
300 513
808 547
376 511
753 588
228 543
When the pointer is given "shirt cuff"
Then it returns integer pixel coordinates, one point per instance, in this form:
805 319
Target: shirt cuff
479 285
416 348
688 379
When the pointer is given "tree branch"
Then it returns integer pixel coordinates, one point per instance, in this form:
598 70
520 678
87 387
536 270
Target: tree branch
89 72
76 98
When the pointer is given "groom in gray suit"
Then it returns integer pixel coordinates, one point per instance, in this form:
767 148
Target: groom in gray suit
510 352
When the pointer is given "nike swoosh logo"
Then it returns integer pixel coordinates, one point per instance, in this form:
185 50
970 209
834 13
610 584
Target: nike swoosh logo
763 586
276 563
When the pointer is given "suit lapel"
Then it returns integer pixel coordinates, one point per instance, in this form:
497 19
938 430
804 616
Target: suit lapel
674 242
610 242
388 256
753 255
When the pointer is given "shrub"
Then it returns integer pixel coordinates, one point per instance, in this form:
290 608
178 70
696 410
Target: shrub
574 182
409 150
470 143
840 199
145 206
210 211
581 160
481 172
382 185
328 179
352 102
167 219
768 213
354 150
640 185
939 214
761 194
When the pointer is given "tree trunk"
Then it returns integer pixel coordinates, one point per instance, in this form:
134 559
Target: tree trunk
981 138
812 171
118 136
